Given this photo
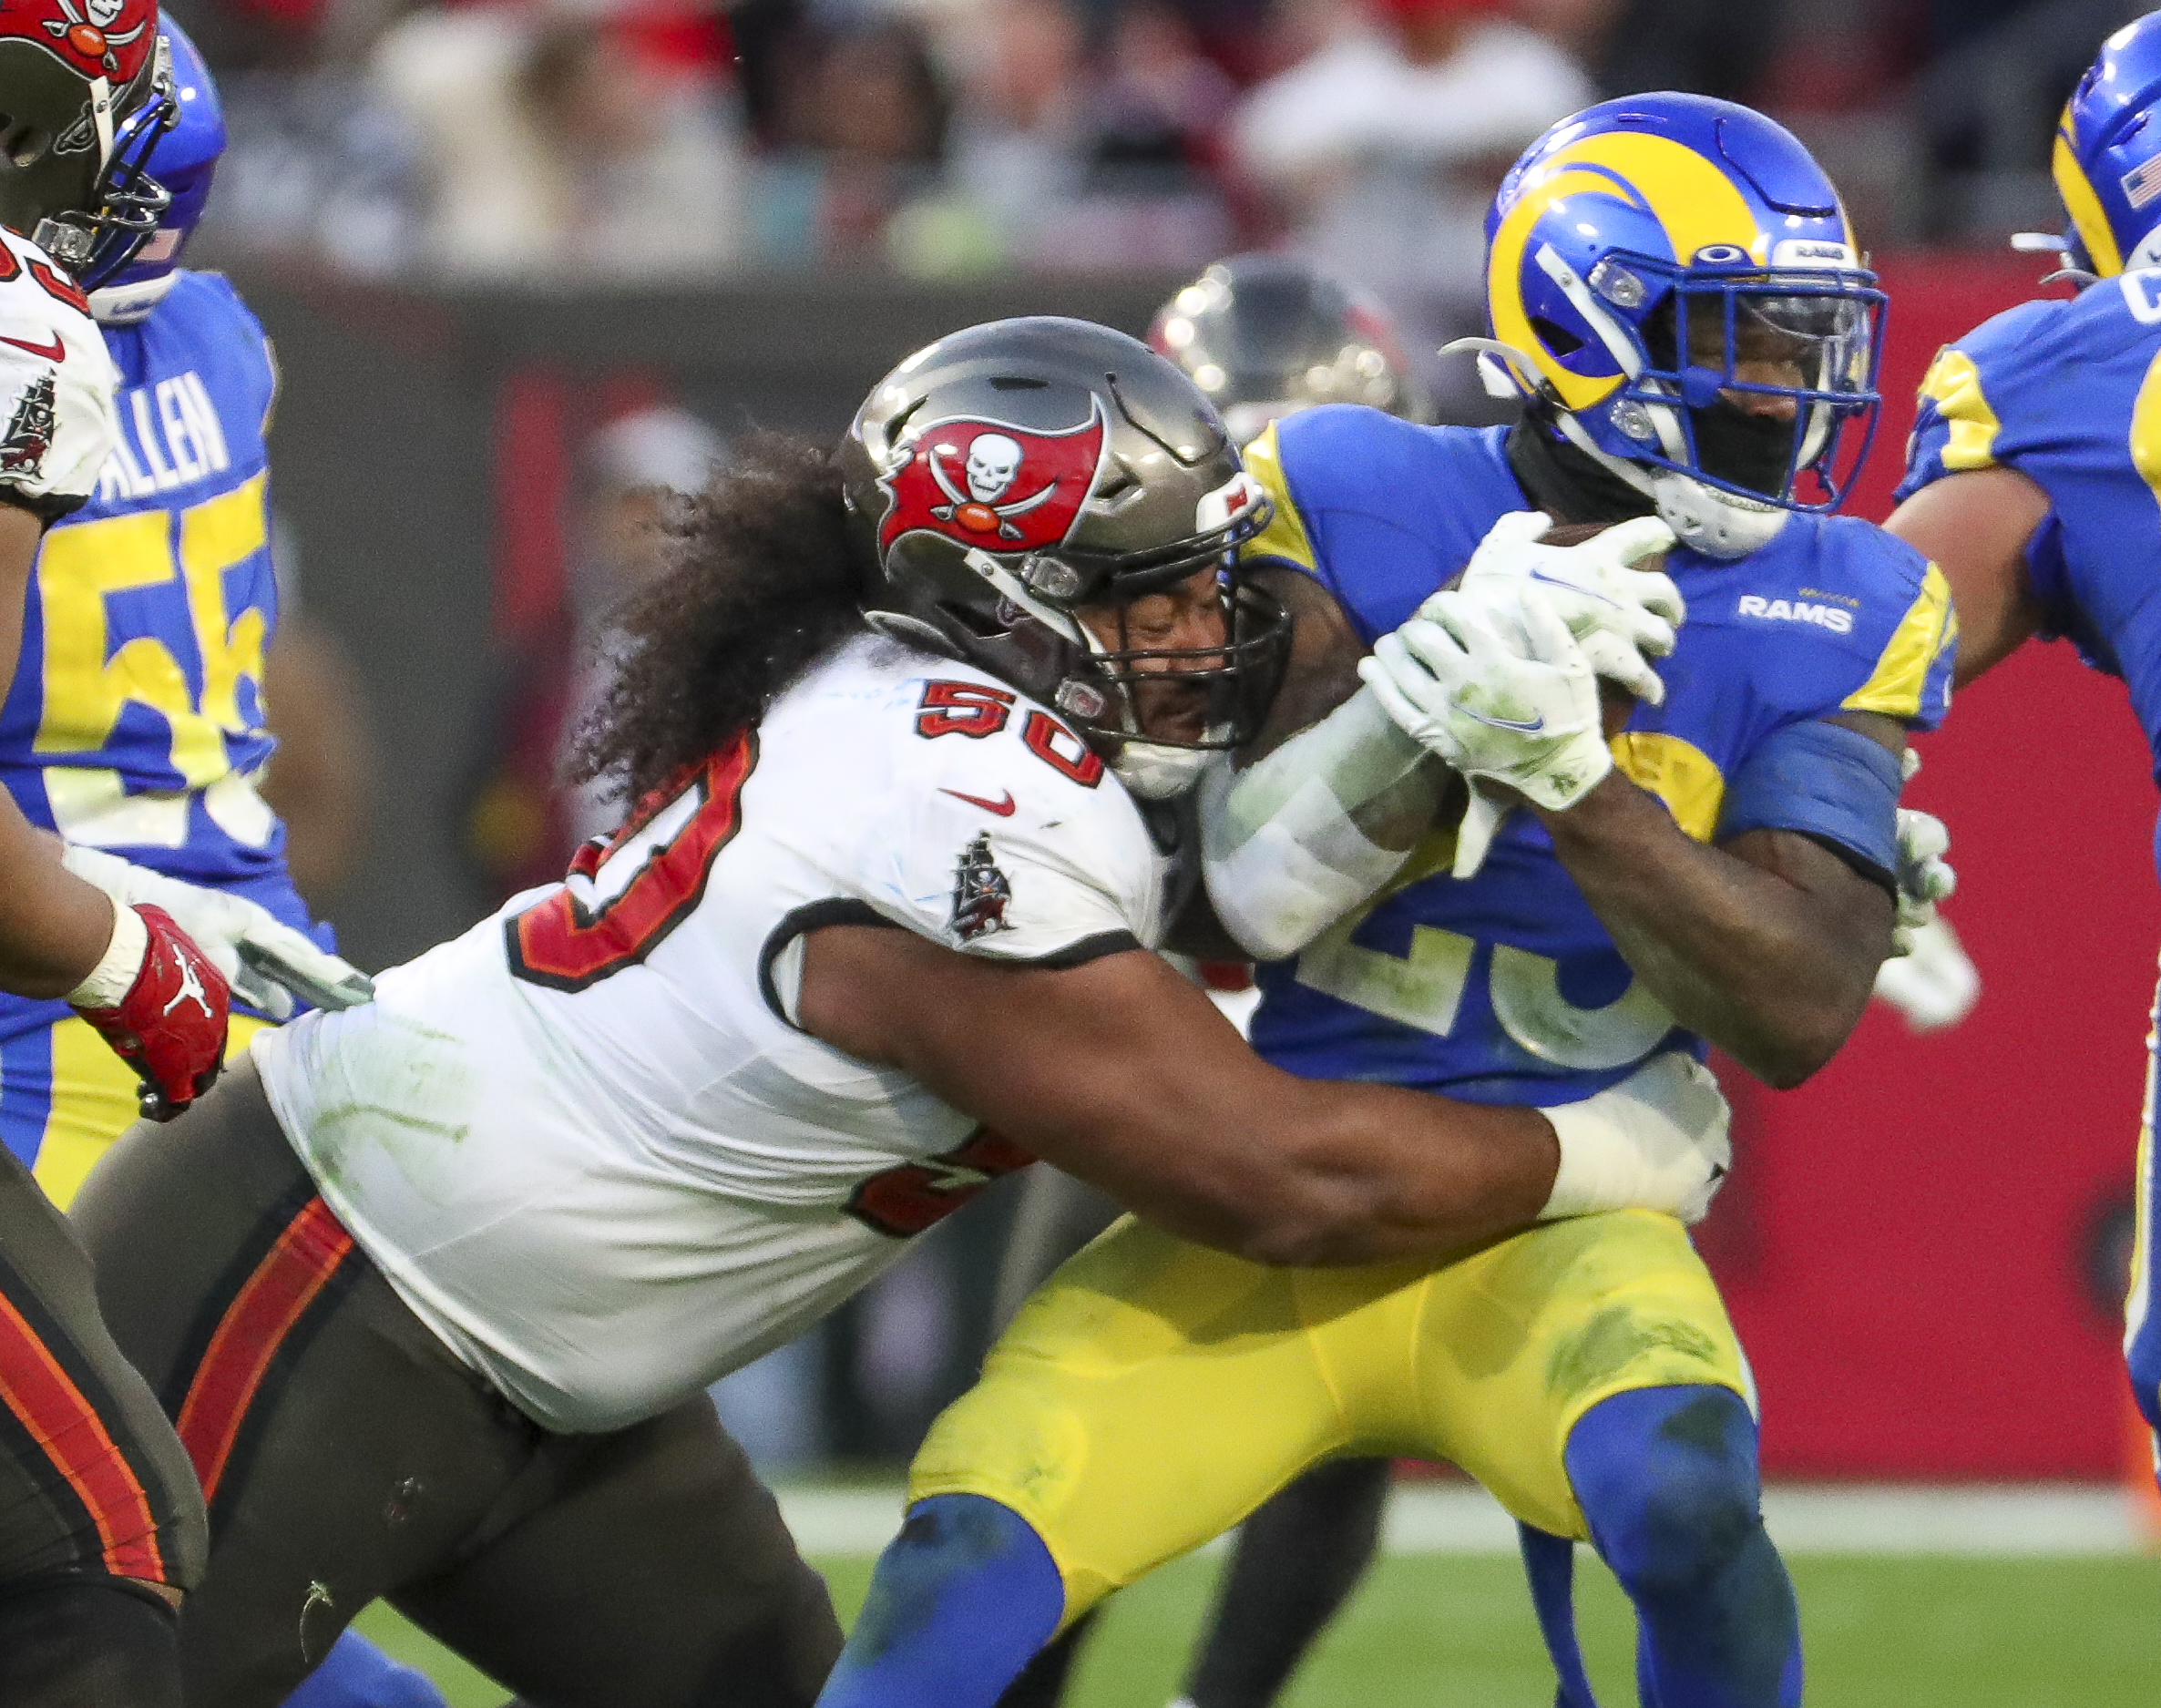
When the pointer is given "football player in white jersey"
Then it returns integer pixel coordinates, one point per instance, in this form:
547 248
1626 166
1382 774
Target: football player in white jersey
439 1282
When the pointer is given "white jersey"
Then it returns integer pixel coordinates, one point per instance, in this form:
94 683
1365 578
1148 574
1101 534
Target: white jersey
585 1141
56 382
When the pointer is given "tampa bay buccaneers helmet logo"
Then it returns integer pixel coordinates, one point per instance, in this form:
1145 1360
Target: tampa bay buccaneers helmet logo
993 485
87 31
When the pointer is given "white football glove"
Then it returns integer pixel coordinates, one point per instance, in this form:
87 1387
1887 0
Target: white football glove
1929 979
262 958
1659 1139
1622 617
1525 717
1925 876
1933 981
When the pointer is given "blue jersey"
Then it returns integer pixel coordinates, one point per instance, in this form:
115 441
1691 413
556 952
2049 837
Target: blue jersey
2069 393
135 719
1505 987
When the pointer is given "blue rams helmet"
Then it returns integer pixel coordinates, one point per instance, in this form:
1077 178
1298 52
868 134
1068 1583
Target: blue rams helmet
1673 284
180 159
2108 159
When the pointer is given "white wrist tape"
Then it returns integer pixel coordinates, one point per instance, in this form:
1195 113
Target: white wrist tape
116 971
1283 857
1658 1141
1297 874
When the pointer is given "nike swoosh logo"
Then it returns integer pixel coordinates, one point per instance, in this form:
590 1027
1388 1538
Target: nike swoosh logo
1533 728
1004 808
1589 593
54 352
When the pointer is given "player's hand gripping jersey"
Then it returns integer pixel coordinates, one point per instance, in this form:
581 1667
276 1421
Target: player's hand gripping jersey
585 1141
2069 395
1505 988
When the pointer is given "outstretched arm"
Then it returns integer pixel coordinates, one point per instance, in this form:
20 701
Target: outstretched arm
1120 1073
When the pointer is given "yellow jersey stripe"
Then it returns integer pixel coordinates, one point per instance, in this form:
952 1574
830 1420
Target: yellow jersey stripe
1679 773
1930 626
1954 385
1285 536
2145 428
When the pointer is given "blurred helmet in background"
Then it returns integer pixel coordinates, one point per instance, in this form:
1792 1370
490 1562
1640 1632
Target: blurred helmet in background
85 91
1007 476
1643 252
1266 336
182 160
2107 159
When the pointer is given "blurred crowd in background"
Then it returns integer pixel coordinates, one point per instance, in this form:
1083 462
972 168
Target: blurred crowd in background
677 139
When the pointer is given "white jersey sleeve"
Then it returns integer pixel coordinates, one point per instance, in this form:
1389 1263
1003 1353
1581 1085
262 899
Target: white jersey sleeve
56 384
1007 853
994 831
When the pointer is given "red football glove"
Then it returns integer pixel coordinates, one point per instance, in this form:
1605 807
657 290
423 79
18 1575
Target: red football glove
170 1026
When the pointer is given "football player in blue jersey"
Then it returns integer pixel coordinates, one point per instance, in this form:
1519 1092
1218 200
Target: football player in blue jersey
134 722
134 726
1675 295
1263 336
2036 462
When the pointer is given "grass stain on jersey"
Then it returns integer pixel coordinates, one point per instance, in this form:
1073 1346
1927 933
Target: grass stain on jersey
1617 1337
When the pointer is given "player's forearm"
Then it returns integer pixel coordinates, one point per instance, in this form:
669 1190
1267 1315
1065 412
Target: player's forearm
1285 1171
1738 953
53 926
1296 840
1364 1174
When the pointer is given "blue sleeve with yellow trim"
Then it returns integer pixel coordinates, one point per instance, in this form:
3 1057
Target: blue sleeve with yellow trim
1835 616
1382 512
1959 420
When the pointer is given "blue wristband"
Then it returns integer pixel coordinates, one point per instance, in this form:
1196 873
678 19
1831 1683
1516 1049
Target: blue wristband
1825 781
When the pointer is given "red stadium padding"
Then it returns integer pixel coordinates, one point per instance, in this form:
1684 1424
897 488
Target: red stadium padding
1912 1260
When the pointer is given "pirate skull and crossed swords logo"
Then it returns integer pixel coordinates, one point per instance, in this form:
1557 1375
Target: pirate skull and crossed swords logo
1008 486
93 35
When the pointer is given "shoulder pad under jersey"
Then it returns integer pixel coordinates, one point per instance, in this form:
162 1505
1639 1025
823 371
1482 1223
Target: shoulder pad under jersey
1837 616
1381 511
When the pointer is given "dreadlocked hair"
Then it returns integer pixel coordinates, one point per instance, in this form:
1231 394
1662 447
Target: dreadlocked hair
762 580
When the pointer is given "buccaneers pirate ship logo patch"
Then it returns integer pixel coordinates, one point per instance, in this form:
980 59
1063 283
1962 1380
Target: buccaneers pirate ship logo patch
990 483
980 894
29 430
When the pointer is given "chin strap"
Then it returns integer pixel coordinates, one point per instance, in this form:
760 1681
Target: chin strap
1715 524
1160 774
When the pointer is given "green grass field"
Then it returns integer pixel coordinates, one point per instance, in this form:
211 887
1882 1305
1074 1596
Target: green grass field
1453 1632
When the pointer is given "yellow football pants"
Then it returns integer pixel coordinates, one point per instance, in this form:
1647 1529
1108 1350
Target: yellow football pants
95 1098
1153 1392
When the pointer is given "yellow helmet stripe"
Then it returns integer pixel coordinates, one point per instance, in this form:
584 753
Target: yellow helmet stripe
2082 205
1695 203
